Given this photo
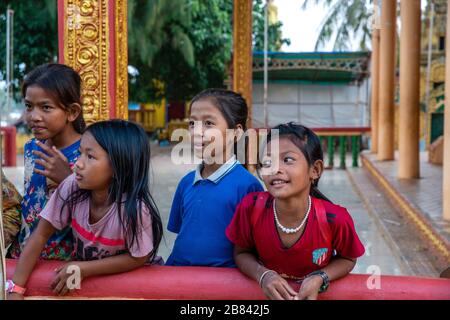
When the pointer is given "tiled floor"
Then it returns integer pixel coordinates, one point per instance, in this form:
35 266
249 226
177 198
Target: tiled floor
424 194
336 185
400 233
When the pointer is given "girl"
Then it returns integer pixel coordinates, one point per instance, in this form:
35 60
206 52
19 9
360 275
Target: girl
115 222
293 230
206 198
52 95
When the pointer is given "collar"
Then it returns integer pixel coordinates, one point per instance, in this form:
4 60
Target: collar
219 173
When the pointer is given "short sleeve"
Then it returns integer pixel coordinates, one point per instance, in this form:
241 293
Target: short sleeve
144 244
255 187
176 211
239 232
345 239
53 211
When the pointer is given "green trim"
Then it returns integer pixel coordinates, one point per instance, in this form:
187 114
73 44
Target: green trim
313 67
312 55
330 151
342 151
355 150
322 83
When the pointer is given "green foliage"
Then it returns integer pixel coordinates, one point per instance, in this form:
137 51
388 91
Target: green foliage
157 23
274 35
186 46
35 36
178 47
208 26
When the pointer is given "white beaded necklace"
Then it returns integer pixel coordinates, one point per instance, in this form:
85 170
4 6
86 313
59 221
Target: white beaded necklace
292 230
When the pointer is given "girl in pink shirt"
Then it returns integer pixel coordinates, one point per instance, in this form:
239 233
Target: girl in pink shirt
107 202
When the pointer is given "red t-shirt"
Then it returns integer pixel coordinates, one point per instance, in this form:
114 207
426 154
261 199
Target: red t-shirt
310 253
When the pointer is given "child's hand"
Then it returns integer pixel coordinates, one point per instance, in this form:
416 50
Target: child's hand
62 284
56 166
14 296
277 288
310 288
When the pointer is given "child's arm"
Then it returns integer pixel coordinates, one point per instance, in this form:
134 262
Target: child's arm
348 247
273 285
337 268
30 254
115 264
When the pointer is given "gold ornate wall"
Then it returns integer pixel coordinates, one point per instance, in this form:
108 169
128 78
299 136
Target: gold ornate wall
437 67
93 40
437 53
242 51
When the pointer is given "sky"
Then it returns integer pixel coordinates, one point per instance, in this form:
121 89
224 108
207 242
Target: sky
302 26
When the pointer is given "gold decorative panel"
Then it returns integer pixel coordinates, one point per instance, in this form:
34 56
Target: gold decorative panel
95 44
242 51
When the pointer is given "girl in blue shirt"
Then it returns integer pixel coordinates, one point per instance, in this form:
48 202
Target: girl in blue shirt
206 199
52 96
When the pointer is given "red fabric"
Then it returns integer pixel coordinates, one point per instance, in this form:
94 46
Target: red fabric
311 252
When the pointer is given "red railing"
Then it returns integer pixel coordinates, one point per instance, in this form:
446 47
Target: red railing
9 145
204 283
347 137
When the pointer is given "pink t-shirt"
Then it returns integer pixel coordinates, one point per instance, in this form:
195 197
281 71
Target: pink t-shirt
102 239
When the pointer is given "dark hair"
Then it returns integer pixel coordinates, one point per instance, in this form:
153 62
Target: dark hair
128 149
308 143
231 105
62 82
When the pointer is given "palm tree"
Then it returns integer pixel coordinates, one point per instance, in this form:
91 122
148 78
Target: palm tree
154 24
346 20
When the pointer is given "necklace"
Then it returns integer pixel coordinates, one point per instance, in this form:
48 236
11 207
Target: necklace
291 230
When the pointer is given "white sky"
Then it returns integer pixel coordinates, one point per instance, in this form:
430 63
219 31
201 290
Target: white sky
302 26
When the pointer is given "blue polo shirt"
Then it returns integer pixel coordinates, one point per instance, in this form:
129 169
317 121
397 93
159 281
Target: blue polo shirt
201 211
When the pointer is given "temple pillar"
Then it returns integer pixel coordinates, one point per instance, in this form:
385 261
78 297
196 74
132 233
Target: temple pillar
409 113
446 160
92 36
387 81
374 104
242 52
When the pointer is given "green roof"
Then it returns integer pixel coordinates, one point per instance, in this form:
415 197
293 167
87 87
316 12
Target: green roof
312 67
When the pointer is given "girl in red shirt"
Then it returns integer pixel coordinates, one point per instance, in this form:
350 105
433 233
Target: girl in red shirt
293 231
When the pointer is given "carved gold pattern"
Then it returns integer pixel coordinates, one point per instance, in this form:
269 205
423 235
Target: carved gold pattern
242 51
87 49
121 59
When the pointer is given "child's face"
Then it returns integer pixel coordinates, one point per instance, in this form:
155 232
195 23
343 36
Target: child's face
45 116
93 168
208 129
294 175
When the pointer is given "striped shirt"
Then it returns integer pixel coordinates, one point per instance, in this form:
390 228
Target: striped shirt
97 240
